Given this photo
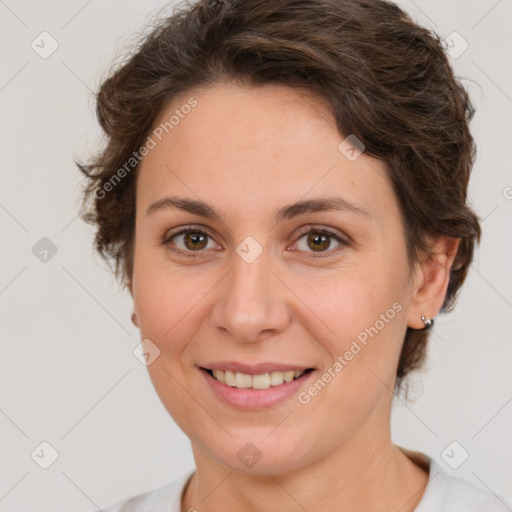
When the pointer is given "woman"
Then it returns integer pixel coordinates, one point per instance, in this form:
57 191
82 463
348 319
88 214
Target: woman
283 192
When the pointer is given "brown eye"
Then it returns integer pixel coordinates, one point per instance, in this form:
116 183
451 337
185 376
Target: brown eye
321 241
189 241
318 242
195 241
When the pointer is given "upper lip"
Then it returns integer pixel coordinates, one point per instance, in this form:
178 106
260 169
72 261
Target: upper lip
254 369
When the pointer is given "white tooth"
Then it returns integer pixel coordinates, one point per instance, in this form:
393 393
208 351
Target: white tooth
261 381
230 378
242 380
288 376
276 378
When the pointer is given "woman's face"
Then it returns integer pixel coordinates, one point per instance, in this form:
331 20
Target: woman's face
262 247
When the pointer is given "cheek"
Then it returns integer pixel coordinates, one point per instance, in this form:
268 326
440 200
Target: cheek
368 320
355 299
167 306
164 302
364 308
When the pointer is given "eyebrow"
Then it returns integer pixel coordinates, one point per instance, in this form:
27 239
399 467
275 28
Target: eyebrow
302 207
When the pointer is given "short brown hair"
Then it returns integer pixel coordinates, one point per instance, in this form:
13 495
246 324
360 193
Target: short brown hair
387 80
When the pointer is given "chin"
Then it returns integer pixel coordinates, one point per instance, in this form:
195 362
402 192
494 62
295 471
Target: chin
257 453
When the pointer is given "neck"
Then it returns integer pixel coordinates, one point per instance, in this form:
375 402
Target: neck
360 475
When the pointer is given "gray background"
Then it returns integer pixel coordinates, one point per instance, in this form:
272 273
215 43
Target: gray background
68 374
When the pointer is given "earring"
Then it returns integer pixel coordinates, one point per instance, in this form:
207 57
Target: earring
429 322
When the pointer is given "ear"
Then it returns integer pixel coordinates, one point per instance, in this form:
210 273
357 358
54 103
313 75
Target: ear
431 280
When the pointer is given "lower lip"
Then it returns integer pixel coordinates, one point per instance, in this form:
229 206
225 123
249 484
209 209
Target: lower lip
255 399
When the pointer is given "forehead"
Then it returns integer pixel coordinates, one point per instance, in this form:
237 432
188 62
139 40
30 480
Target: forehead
255 146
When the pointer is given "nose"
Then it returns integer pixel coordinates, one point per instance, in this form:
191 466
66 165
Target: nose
252 303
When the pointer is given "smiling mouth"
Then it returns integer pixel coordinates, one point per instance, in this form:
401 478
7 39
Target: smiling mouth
261 381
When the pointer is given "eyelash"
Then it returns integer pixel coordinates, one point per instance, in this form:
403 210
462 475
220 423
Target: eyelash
302 232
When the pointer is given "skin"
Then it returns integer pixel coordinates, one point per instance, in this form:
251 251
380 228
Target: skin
247 152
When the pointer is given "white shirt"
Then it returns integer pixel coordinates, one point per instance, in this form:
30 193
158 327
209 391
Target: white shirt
443 493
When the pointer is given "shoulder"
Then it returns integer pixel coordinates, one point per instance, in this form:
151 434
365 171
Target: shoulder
166 498
447 493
